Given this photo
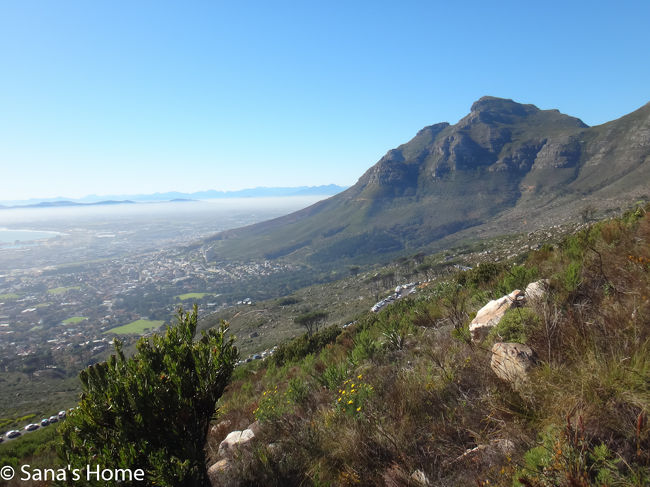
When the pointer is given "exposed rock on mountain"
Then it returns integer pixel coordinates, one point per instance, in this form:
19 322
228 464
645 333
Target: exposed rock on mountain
504 166
512 362
489 315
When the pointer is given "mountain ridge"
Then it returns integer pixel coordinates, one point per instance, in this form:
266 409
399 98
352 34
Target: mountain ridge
502 160
257 192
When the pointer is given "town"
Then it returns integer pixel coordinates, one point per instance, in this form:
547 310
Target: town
68 313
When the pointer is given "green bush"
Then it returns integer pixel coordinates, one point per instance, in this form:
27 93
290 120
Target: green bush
152 411
304 345
395 333
333 376
365 347
479 275
572 276
515 326
518 277
566 457
272 405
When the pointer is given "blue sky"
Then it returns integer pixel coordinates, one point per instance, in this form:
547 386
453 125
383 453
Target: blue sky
137 97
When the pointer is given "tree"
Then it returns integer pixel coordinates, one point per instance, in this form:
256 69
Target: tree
311 320
152 411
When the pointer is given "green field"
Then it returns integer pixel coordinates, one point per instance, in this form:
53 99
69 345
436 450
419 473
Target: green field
183 297
75 319
136 327
9 296
61 290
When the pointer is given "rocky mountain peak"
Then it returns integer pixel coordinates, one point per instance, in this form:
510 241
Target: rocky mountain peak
490 109
495 104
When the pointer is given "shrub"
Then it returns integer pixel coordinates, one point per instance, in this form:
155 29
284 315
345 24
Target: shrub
395 333
353 395
365 347
515 326
567 457
304 345
152 411
272 405
518 277
289 300
572 276
333 376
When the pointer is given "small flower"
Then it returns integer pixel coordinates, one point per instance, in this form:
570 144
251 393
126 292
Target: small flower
360 376
358 409
350 401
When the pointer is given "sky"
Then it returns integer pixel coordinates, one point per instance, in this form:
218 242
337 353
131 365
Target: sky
124 97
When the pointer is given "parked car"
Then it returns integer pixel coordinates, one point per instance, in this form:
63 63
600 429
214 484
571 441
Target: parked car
13 434
45 422
61 414
54 419
31 427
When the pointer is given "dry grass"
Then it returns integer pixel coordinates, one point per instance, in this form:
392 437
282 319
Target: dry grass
436 410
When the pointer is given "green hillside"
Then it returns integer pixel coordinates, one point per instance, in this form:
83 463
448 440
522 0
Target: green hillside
406 397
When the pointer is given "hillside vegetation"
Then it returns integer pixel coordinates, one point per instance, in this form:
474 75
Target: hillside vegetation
405 397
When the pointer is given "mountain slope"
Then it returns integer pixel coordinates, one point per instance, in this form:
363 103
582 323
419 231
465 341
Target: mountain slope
503 160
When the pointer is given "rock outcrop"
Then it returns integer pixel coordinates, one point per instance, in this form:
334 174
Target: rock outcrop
490 314
235 439
512 362
535 291
232 444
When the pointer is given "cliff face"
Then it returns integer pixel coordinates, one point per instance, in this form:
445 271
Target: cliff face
497 136
503 158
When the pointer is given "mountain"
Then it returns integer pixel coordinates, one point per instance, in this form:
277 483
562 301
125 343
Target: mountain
505 165
66 203
258 192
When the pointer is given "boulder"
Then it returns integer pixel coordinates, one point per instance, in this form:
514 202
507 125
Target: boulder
235 439
216 472
490 314
512 362
420 478
535 291
217 430
255 428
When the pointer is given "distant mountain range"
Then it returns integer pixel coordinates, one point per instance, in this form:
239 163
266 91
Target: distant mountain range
259 192
505 166
67 203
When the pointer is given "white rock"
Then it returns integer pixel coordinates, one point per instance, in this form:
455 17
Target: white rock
490 314
420 478
216 471
235 439
536 291
512 362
